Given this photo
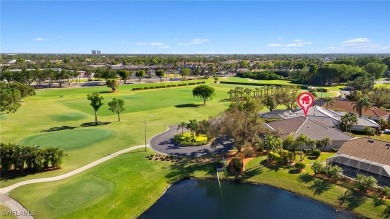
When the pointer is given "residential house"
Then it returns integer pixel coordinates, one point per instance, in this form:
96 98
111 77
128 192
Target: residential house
364 156
311 128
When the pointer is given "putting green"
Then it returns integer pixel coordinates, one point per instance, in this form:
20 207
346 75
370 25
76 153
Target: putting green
68 139
68 117
83 193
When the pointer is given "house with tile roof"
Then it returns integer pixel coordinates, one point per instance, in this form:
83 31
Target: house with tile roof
364 156
329 117
373 113
311 128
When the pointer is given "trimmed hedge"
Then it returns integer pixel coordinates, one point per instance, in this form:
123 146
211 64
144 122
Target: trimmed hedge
168 86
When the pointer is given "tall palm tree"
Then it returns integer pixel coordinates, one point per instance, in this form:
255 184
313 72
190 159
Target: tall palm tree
181 126
302 141
328 101
362 103
348 120
193 127
230 92
247 92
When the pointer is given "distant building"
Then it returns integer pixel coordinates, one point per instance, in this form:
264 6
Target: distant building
93 52
98 52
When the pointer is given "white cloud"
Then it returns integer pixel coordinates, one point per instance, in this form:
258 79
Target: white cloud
279 38
357 40
156 44
181 44
296 43
141 44
199 41
39 39
360 45
165 47
274 45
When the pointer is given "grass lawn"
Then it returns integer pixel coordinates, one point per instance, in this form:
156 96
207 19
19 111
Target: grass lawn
248 80
49 111
127 185
6 212
120 188
321 190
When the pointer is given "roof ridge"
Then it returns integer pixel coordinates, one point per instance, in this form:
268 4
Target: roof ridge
368 138
302 123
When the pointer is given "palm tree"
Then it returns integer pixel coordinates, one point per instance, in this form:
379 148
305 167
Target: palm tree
181 126
302 141
328 101
230 92
362 103
348 120
247 92
193 127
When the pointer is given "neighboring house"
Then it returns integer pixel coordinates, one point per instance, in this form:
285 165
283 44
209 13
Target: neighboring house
275 114
364 156
328 117
373 113
311 128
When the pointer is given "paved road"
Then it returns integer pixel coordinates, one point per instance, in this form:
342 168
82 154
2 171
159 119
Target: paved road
15 208
163 143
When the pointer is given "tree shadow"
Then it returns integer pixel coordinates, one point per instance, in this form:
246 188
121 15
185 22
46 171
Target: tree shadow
188 105
105 92
224 100
305 178
352 199
59 128
13 174
386 212
271 167
186 168
294 171
249 173
320 186
88 124
378 201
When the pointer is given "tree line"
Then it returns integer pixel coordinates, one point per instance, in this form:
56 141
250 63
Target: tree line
31 158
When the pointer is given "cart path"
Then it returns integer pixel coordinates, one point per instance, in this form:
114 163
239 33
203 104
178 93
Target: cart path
15 208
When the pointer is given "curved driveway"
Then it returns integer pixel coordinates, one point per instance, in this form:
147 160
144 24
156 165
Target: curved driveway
163 143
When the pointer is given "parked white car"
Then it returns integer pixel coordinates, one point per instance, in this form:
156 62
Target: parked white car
386 131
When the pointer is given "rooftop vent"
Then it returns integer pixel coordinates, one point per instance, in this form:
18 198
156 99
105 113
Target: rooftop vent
370 141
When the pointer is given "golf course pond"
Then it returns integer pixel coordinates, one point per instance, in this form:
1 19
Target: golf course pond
206 199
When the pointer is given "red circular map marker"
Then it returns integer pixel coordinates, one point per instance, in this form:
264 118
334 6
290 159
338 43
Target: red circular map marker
305 101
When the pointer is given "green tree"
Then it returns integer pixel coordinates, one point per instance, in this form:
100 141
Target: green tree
139 74
362 104
328 101
182 126
113 84
375 69
323 143
318 167
96 102
364 183
160 73
333 172
124 74
204 92
184 72
11 94
347 121
117 105
302 140
193 127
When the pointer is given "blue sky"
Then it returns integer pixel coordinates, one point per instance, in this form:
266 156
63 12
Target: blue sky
175 27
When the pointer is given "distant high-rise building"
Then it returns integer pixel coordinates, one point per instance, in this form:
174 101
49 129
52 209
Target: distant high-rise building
98 52
93 52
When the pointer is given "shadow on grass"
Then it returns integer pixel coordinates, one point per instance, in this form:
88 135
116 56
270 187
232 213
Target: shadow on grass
88 124
271 167
186 168
59 128
320 186
188 105
105 92
351 199
386 212
249 173
224 100
305 178
378 201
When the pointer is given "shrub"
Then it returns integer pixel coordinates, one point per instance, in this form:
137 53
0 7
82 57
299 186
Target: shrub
316 153
335 149
300 166
386 191
273 156
318 167
237 163
333 172
369 131
365 182
248 152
